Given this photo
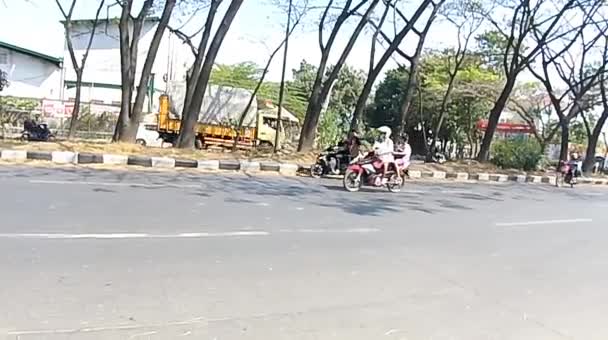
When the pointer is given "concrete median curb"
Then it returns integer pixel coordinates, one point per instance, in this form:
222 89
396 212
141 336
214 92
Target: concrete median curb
285 169
67 157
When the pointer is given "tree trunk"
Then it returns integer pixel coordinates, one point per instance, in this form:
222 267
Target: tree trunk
127 80
592 143
200 56
311 120
499 105
321 89
565 131
144 80
277 135
76 110
371 77
187 133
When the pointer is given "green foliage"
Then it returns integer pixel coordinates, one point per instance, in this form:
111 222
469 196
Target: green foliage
243 75
336 120
472 97
18 104
517 153
104 122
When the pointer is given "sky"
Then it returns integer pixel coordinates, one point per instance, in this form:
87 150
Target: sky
257 30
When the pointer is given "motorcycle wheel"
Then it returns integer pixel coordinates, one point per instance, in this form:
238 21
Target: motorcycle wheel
24 137
394 183
51 138
316 170
350 181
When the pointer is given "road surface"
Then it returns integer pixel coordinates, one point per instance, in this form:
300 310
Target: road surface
99 254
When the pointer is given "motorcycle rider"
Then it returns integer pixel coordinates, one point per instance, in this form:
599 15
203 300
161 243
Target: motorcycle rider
576 164
384 148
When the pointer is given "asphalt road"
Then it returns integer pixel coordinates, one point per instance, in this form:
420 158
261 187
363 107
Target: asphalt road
98 254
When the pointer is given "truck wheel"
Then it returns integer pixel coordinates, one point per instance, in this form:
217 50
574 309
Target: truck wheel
198 143
141 142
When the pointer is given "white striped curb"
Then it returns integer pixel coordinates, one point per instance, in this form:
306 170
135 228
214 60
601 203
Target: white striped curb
14 155
115 159
208 165
415 174
163 162
64 157
462 176
439 175
483 177
250 166
287 169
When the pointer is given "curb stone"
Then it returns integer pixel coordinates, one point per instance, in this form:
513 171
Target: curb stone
208 165
286 169
13 155
64 157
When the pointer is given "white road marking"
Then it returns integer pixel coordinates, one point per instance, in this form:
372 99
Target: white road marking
413 191
575 220
131 235
455 191
114 184
353 230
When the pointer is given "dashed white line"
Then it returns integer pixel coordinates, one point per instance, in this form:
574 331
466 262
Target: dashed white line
524 223
130 235
114 184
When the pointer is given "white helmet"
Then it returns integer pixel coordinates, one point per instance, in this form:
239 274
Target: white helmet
385 130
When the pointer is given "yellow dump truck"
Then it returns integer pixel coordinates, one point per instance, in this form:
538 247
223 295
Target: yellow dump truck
261 134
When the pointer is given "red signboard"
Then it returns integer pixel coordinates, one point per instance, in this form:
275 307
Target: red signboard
506 127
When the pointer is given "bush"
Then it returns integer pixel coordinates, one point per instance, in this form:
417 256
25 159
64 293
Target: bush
518 153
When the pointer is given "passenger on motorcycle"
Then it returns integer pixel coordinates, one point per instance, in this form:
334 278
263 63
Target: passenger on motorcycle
384 148
404 149
576 164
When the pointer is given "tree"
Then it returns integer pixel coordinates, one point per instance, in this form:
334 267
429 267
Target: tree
472 96
200 72
513 39
3 80
531 103
78 68
594 130
130 29
323 83
289 30
576 75
336 116
393 46
464 15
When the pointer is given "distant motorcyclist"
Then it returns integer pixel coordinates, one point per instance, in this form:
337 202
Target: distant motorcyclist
576 164
353 143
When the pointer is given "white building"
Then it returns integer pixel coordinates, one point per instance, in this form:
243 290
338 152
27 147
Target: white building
102 76
31 74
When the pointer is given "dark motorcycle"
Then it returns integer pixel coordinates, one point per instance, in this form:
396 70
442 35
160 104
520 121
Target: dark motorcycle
36 132
567 173
334 160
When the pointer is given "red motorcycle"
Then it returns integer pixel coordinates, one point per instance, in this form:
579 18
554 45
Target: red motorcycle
368 170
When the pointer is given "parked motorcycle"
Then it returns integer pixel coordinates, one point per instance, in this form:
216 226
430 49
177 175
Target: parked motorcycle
367 170
36 132
333 160
566 173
